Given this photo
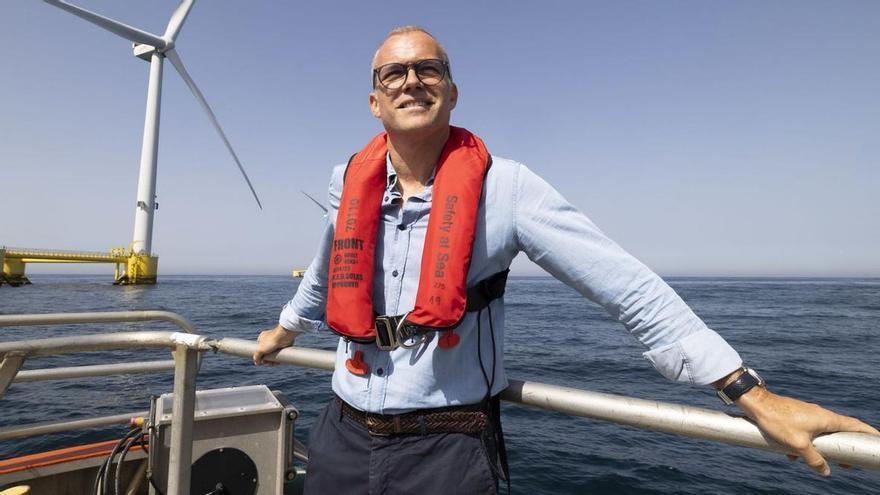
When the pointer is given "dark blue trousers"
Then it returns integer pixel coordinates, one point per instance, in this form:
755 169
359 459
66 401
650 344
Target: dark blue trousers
345 459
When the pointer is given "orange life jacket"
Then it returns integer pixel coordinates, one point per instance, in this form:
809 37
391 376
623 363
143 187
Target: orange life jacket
441 300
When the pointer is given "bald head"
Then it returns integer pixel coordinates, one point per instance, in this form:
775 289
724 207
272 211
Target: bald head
407 30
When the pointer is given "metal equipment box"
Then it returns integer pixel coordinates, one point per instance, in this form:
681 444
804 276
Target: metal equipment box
240 435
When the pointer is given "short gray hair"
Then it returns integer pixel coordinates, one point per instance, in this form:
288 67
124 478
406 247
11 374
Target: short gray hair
411 29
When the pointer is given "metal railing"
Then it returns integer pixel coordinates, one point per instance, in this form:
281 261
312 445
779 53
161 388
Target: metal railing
10 366
856 449
186 346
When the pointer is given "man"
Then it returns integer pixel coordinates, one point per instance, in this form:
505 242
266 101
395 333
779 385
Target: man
422 234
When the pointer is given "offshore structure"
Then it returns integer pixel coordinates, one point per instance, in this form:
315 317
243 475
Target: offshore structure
139 264
14 261
131 268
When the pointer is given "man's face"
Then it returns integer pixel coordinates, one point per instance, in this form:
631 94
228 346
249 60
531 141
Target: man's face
414 107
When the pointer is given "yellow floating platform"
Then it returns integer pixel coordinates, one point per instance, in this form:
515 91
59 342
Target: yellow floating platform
136 268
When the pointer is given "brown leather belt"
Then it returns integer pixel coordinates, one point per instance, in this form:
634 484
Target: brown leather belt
456 419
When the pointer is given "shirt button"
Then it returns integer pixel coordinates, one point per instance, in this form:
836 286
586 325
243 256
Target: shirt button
401 227
394 273
386 198
380 372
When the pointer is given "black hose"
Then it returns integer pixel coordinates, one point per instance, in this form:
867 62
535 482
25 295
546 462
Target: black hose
100 474
103 477
118 481
98 478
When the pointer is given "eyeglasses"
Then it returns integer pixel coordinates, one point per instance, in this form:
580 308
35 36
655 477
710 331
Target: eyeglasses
393 76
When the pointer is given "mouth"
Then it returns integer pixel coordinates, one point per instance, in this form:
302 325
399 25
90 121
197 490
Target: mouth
422 104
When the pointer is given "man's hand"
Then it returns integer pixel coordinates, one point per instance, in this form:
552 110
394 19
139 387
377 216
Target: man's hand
272 340
794 423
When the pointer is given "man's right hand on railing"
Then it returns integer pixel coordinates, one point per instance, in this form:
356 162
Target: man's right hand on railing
273 340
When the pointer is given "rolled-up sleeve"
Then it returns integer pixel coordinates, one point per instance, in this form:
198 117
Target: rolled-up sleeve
564 242
306 311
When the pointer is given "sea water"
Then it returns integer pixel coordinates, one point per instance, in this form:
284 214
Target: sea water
815 339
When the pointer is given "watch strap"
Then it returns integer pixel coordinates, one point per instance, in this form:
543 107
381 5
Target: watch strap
747 380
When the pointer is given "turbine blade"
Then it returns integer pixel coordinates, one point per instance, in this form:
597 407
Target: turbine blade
178 64
315 201
115 27
177 18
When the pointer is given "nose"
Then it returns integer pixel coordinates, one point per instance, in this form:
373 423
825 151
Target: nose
412 79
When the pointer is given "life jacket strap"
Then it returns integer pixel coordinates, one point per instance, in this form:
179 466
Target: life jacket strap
487 290
392 331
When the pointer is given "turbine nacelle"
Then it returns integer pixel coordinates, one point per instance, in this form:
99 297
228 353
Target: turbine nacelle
143 51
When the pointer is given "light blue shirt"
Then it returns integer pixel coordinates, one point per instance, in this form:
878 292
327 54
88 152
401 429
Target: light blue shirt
525 214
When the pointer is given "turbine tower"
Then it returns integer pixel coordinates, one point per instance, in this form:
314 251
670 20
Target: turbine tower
141 266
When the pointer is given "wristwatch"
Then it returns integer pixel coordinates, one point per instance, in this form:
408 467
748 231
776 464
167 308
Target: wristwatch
746 381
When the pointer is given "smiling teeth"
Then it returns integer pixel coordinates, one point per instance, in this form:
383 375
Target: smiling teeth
415 104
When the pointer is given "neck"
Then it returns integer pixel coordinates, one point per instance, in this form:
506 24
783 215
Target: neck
414 157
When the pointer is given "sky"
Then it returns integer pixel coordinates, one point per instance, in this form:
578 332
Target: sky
707 138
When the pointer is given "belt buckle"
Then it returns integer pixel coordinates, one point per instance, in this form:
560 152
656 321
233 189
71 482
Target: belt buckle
386 333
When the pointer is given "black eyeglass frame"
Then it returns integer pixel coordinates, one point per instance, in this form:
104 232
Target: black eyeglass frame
407 67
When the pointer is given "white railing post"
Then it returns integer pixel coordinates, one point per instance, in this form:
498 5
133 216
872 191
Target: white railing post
182 411
9 366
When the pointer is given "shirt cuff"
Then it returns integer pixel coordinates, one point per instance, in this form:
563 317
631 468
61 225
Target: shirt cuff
700 358
294 322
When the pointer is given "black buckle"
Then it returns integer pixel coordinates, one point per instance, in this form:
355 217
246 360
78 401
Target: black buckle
386 333
393 332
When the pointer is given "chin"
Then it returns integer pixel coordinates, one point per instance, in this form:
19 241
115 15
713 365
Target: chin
418 126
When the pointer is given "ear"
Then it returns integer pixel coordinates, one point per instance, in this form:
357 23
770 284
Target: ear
453 95
374 105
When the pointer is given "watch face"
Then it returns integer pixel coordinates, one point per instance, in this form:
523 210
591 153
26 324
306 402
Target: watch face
756 375
743 383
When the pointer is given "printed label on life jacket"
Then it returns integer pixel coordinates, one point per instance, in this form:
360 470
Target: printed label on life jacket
351 213
443 250
448 216
346 250
346 253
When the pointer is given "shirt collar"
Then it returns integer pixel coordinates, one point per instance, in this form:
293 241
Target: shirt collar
390 172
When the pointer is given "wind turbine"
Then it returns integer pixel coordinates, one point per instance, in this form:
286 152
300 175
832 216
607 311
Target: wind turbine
142 265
